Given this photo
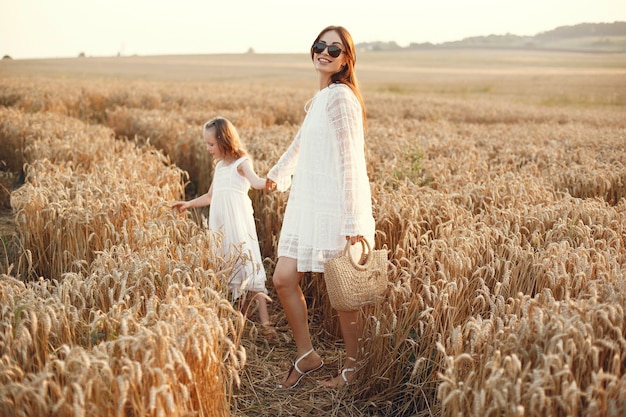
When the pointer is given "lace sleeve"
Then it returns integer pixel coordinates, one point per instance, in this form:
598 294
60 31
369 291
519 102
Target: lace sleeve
283 170
346 121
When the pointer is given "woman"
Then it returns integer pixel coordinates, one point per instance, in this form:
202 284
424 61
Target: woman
330 197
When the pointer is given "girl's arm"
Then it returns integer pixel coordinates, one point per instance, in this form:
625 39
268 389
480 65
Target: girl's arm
247 170
203 200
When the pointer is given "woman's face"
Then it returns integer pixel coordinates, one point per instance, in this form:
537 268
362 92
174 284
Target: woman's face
211 143
325 63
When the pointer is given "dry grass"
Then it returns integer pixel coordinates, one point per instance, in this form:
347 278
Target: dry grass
499 187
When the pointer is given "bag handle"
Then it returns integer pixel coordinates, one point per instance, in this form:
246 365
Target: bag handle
368 259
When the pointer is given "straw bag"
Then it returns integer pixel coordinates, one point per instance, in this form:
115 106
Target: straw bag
351 285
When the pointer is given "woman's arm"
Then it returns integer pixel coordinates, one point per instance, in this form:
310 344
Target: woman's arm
346 122
281 173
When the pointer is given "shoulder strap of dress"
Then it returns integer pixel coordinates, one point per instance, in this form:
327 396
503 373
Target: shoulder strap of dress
239 161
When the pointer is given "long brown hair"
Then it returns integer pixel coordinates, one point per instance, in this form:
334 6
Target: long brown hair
227 137
346 75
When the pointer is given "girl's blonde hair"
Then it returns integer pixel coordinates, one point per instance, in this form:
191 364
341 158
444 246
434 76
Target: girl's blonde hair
227 137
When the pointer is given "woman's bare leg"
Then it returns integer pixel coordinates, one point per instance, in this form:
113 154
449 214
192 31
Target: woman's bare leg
286 281
349 331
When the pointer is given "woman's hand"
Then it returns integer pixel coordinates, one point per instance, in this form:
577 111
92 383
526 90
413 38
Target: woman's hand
354 239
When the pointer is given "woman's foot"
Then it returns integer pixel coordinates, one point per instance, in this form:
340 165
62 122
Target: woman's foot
303 365
340 380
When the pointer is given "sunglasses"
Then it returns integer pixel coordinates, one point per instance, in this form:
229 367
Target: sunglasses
333 50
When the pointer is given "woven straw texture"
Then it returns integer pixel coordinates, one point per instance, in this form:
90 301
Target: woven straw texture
352 285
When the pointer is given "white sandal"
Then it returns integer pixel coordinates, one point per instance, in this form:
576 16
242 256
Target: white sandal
298 370
343 377
343 374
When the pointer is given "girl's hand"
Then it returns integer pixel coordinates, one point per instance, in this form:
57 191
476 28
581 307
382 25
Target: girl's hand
179 205
354 239
270 185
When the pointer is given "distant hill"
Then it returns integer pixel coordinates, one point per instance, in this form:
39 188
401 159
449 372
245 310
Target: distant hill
584 37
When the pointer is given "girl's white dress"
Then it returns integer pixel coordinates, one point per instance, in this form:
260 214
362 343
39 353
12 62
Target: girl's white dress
330 196
232 215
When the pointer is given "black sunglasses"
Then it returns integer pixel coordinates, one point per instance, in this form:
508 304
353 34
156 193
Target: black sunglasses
334 51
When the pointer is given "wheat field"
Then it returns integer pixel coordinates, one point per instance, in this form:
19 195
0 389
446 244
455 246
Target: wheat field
499 187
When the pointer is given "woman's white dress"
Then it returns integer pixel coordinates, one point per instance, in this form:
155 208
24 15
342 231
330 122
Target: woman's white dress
232 215
330 196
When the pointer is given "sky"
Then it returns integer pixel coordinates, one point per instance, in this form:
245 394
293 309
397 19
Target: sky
66 28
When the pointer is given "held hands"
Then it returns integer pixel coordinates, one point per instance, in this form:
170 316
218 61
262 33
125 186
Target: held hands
269 185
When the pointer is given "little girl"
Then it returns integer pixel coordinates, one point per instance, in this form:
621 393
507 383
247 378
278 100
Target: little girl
231 212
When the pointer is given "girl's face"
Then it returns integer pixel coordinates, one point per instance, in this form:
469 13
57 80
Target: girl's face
211 143
323 62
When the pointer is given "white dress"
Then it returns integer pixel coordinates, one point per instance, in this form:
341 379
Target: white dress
232 215
330 196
